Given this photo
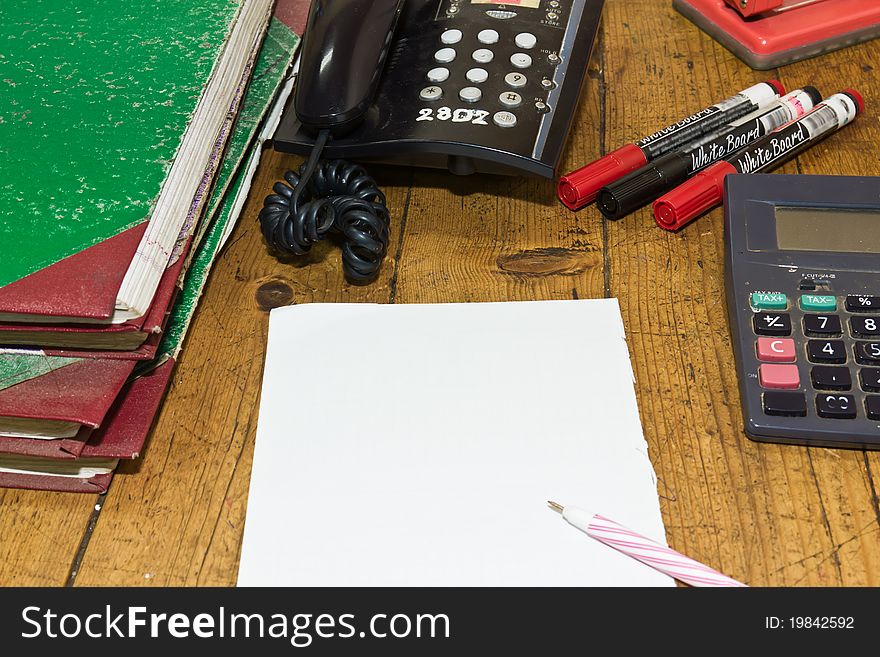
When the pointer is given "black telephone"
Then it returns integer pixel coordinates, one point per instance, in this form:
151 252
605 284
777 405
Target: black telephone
468 85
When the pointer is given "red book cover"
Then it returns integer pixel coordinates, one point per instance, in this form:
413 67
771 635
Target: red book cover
122 435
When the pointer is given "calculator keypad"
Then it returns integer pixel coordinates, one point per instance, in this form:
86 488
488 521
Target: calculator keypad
826 351
772 323
842 407
825 377
822 325
867 327
792 404
825 362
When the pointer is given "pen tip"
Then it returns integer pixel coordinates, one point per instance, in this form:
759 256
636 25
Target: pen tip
555 506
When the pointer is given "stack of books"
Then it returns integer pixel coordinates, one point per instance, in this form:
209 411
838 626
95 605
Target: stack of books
129 135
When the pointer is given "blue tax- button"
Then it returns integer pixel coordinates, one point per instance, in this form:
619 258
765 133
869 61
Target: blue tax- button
769 301
818 302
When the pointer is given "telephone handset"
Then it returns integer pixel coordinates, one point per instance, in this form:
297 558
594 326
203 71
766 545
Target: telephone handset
468 85
343 51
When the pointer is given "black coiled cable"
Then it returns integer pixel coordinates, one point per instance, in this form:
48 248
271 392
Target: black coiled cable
329 196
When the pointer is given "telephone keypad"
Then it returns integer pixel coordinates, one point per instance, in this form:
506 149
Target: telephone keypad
510 99
488 37
525 40
483 55
514 80
444 55
504 119
521 60
439 74
450 37
470 94
477 75
431 93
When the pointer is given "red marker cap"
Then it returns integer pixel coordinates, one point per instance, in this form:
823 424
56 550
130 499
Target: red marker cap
776 84
580 187
692 198
857 99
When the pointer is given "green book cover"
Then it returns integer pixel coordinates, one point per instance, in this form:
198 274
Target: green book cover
96 97
272 64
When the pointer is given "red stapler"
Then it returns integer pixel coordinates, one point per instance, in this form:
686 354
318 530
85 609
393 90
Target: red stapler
769 33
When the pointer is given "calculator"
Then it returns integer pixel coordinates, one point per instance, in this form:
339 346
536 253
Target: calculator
803 296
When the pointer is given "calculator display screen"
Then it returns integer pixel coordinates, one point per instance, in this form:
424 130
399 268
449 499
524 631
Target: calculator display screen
829 230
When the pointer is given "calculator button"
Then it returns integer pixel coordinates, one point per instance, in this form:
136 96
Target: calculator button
444 55
826 351
872 406
819 303
520 60
525 40
772 323
470 94
431 93
439 74
831 378
866 327
785 403
769 301
836 406
819 325
779 377
477 75
515 80
504 119
450 37
862 303
487 37
483 55
870 378
510 99
776 350
868 353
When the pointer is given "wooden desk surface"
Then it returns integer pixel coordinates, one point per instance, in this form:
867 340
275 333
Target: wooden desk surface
765 514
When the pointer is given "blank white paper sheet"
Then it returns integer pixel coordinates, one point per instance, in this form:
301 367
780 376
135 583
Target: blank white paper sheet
417 445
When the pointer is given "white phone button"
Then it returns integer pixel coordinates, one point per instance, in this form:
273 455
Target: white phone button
470 94
450 36
510 99
438 74
431 93
515 80
504 119
520 60
477 75
525 40
444 55
483 56
488 37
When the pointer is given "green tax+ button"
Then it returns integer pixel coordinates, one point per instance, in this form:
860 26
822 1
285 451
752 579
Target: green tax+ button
818 302
769 301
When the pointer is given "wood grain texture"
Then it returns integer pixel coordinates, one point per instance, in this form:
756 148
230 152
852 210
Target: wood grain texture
40 534
766 514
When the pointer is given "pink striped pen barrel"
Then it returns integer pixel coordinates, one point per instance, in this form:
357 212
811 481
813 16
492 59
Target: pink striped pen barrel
649 552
